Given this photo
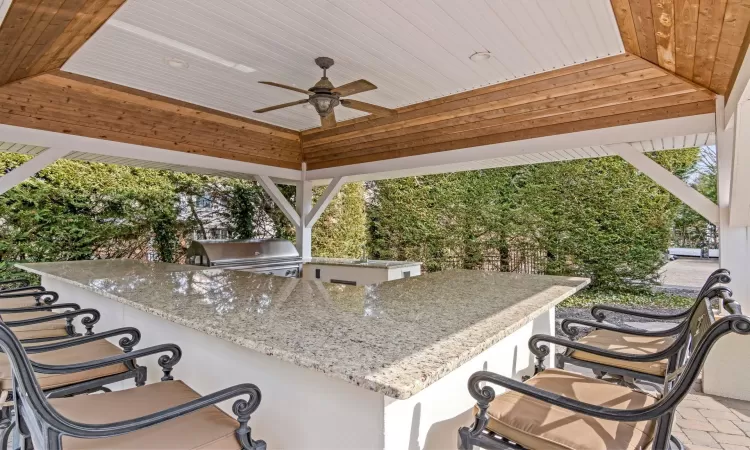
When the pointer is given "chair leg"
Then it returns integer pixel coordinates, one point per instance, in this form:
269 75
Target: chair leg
464 439
663 438
6 434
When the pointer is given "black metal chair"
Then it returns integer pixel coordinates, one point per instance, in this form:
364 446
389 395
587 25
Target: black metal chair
718 276
27 296
84 365
18 283
560 410
167 412
634 347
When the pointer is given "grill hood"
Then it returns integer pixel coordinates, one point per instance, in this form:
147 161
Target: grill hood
214 253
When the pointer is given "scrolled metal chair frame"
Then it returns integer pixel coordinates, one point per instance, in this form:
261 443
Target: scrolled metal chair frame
673 353
46 426
41 296
22 281
662 411
718 276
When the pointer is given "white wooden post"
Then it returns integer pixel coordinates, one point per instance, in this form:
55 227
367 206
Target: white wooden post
29 168
727 366
304 206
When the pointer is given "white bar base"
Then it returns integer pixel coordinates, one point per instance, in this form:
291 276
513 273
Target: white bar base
305 409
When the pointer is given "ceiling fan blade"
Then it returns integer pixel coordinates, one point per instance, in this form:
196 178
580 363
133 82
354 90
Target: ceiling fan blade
284 86
368 107
328 121
283 105
355 87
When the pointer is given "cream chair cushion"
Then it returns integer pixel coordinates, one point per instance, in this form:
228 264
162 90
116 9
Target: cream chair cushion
54 328
71 355
205 429
538 425
625 343
17 302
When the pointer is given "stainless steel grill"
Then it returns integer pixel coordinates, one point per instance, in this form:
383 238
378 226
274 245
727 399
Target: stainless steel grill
270 256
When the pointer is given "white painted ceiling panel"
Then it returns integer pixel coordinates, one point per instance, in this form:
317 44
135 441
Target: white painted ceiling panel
412 50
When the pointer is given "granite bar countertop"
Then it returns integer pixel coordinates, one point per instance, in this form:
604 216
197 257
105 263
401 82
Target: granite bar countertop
372 263
395 338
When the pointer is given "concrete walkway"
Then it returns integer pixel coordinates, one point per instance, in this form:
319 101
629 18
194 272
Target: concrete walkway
687 272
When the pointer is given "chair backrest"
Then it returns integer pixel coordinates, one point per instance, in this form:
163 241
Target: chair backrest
703 337
33 412
718 276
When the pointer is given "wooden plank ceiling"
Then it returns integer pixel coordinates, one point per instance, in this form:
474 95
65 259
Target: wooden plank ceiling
38 36
67 103
699 40
608 92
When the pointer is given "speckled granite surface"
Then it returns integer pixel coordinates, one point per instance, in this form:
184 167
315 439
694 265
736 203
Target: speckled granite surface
395 338
372 263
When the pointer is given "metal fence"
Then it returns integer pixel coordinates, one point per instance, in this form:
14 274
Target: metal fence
519 260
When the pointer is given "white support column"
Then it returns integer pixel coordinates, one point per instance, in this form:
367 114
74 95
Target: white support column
29 168
270 187
304 207
727 366
668 181
304 216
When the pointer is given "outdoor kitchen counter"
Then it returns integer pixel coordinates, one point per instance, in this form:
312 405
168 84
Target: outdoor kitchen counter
340 367
395 338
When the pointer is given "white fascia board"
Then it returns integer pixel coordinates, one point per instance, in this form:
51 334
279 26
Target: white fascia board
442 162
73 143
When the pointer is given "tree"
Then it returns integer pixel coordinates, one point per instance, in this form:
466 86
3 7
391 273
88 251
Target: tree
341 231
595 217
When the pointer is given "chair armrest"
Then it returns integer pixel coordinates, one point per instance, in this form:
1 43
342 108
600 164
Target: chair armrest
38 288
485 394
573 331
21 281
22 309
88 322
597 311
542 351
127 343
167 363
241 408
41 297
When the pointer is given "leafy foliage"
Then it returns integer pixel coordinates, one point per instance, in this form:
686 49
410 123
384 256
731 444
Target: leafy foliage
588 298
76 210
341 231
597 217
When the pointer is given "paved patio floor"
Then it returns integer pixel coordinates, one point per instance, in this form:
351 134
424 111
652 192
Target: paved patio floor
708 422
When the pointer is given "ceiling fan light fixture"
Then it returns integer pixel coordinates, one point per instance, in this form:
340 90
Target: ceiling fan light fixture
324 103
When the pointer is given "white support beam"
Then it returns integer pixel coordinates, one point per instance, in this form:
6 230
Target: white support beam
739 90
304 207
734 254
272 190
333 188
29 168
739 192
668 181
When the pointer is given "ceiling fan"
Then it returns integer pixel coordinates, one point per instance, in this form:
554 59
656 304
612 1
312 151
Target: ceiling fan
324 96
